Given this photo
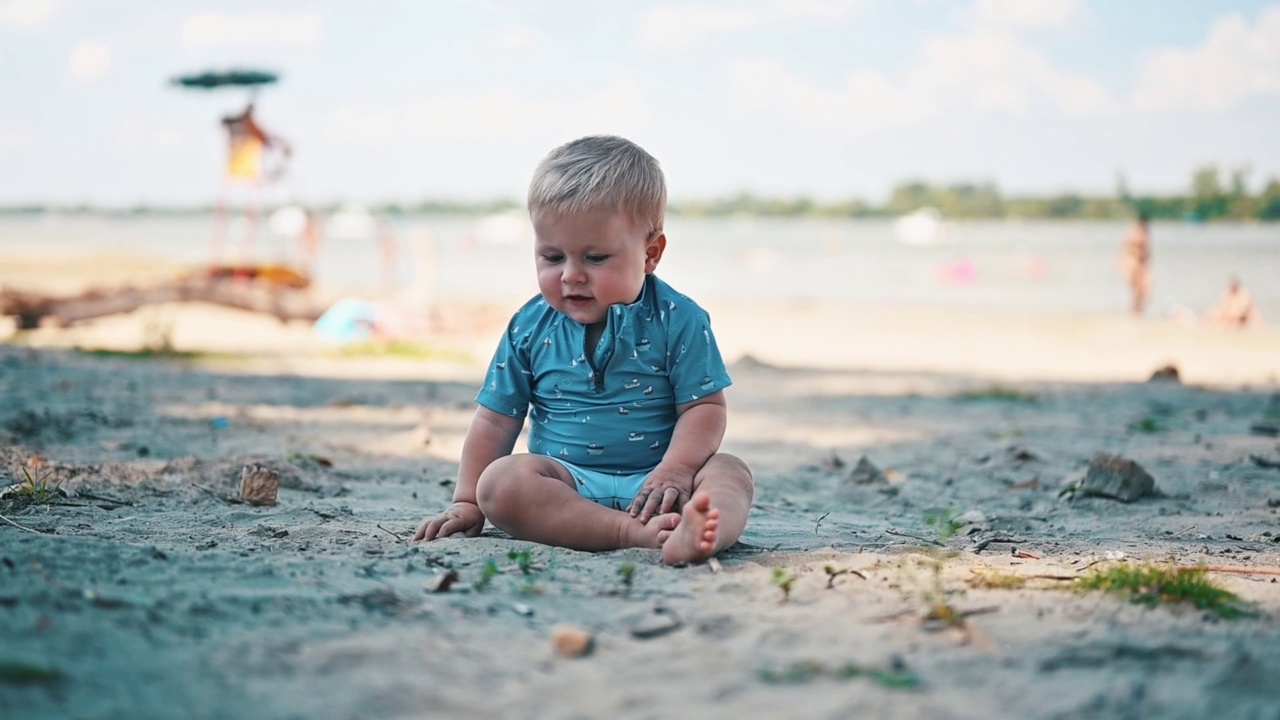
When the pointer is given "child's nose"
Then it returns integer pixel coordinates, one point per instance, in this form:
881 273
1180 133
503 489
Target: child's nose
574 272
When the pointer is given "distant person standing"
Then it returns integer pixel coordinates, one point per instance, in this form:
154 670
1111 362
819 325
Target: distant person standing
1135 262
247 144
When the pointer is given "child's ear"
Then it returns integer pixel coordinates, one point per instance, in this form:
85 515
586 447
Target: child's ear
653 249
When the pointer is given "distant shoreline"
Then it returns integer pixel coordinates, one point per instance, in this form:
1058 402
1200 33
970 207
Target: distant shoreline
954 202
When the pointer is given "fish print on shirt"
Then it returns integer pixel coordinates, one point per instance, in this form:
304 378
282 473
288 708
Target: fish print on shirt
594 449
643 344
647 391
632 383
635 436
623 411
707 383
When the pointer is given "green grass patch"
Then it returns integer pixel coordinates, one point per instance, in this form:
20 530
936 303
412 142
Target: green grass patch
404 349
809 670
143 354
37 489
785 581
944 521
999 393
17 672
1148 424
1153 585
996 580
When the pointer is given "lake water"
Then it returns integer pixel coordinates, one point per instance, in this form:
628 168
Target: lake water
1036 266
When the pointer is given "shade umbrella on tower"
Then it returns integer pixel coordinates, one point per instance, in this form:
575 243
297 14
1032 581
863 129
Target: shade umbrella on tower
248 143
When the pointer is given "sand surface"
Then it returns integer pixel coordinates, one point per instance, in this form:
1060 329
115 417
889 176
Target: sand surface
146 593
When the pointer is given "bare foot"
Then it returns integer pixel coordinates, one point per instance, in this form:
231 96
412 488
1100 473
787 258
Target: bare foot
651 534
695 538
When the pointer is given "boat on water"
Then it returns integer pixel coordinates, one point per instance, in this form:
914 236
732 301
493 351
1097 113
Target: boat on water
924 227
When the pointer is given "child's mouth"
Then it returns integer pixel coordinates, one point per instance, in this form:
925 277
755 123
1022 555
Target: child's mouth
577 299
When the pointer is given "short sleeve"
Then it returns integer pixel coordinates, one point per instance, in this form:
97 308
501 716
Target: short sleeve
507 386
694 365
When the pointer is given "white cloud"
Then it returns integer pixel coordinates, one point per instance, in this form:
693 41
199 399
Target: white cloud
517 39
11 140
1235 63
27 14
672 27
89 62
258 29
1028 14
497 115
982 73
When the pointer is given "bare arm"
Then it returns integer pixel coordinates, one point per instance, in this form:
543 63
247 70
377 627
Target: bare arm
699 429
489 437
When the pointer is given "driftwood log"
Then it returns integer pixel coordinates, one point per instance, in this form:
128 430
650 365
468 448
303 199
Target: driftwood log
278 294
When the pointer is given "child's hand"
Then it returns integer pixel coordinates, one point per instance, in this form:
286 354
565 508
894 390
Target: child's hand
665 490
460 517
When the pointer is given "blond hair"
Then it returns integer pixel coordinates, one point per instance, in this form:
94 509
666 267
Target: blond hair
600 172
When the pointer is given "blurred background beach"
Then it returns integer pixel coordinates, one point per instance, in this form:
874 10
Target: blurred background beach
929 185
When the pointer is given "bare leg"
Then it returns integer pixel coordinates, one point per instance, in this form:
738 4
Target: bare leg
533 498
219 226
716 515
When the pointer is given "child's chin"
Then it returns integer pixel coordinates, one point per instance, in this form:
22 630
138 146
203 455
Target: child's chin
584 317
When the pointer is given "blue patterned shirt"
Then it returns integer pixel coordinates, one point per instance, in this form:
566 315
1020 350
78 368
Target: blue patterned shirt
614 409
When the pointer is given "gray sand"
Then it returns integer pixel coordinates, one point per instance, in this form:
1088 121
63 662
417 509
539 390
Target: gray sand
146 594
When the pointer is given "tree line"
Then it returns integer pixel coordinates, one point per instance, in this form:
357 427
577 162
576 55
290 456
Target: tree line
1210 197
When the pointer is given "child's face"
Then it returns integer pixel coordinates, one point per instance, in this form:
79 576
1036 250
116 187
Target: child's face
590 260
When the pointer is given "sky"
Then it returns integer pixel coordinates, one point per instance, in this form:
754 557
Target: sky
399 101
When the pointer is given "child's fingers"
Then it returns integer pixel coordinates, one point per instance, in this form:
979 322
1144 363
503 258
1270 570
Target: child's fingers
637 502
650 506
670 497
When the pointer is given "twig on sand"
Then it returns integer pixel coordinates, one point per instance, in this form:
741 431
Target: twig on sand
392 533
215 493
998 539
914 537
21 527
104 498
1233 569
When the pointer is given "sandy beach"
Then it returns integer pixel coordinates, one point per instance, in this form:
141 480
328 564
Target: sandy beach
149 591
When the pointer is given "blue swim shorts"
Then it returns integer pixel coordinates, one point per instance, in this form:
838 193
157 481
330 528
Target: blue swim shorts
607 489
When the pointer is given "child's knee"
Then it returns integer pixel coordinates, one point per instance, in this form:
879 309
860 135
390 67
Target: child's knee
732 469
494 487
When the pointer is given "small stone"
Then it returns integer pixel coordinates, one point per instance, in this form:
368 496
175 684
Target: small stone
1168 373
571 641
655 624
1264 428
1116 477
444 581
864 473
259 485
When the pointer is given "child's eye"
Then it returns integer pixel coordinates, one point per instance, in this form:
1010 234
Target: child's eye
553 259
597 259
